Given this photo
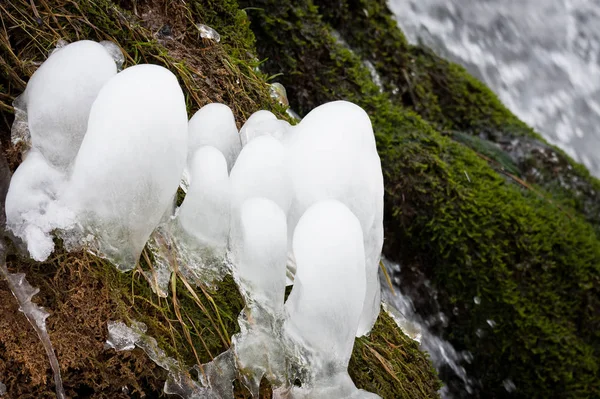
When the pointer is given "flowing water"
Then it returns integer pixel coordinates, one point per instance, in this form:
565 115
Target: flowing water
541 57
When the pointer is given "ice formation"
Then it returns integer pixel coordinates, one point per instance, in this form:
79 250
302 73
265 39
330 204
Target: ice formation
325 305
36 315
264 123
130 162
261 171
333 156
214 125
259 252
59 96
32 211
204 213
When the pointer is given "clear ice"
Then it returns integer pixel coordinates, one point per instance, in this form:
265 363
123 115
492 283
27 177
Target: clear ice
130 162
36 315
332 155
214 125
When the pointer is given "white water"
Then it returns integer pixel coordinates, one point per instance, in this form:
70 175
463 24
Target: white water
441 352
542 58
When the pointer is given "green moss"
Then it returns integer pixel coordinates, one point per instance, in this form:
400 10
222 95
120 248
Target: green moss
191 324
449 215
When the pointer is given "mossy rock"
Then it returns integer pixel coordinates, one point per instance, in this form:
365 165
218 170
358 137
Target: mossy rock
83 292
456 214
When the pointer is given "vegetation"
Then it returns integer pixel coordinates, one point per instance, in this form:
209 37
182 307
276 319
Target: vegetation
525 245
83 292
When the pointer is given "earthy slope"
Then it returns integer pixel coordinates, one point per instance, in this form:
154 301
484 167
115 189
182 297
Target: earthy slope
83 292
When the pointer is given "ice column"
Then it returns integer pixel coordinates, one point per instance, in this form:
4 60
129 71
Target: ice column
130 162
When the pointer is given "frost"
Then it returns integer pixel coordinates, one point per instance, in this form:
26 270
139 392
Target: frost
130 162
214 125
58 99
206 32
264 123
23 292
333 156
325 305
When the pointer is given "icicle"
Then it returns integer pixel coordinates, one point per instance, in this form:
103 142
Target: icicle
23 292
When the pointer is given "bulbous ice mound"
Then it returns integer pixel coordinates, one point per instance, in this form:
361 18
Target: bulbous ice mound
259 253
261 171
130 162
32 211
264 123
333 156
59 96
205 211
214 125
324 307
326 301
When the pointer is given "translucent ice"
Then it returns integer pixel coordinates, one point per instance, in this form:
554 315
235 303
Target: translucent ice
130 162
32 211
333 156
324 307
214 125
261 171
259 252
59 96
263 123
36 315
204 213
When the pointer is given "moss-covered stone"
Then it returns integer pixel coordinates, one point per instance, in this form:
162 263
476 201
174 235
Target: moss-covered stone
526 252
83 292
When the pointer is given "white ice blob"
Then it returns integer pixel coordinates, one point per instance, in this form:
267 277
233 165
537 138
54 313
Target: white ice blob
261 171
333 156
325 305
130 162
205 211
259 252
263 123
31 208
214 125
59 96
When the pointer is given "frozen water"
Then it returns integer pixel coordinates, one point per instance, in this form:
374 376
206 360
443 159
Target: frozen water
32 211
130 162
59 96
205 211
36 315
326 301
259 253
333 156
263 123
324 307
206 32
261 171
115 52
214 125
